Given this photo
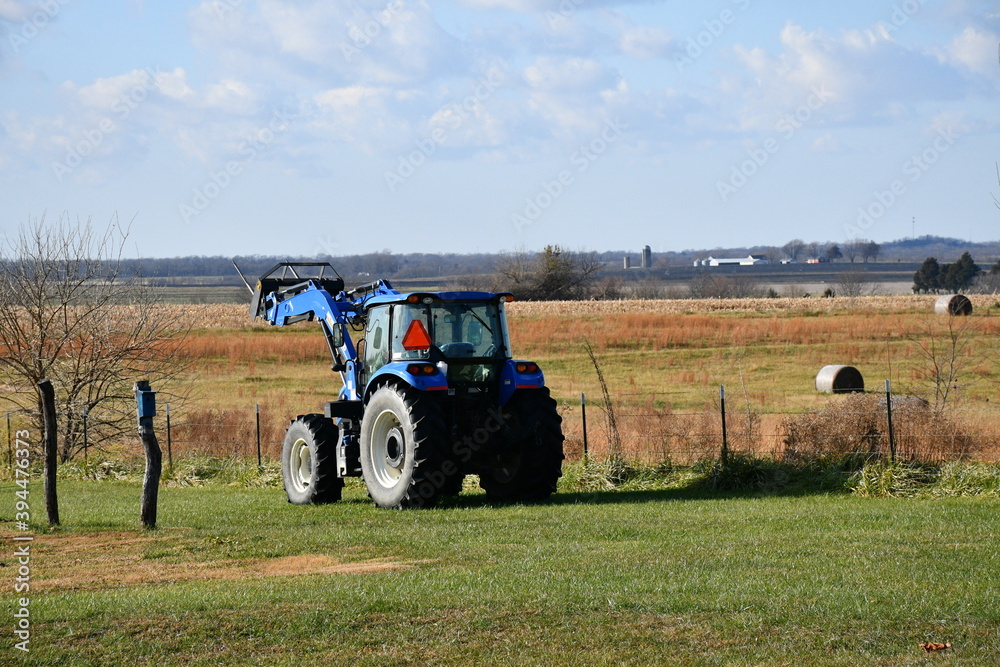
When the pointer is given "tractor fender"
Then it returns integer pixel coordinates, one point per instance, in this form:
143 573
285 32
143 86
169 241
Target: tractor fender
396 372
511 380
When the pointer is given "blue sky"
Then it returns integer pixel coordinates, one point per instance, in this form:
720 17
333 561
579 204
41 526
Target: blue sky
242 127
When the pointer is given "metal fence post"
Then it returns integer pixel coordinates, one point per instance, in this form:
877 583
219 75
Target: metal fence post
10 443
170 455
259 464
888 410
725 441
583 416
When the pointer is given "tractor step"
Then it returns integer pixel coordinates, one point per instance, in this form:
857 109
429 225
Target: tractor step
343 410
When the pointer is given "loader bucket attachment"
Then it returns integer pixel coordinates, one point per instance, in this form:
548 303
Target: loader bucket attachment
289 278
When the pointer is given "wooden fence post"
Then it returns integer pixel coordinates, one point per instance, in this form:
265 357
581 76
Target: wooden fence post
51 460
145 399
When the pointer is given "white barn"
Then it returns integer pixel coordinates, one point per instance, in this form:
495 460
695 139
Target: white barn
749 260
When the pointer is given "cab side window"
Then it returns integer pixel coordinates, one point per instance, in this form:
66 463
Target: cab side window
377 339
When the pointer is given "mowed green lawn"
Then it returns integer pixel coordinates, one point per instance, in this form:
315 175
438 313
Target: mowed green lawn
238 576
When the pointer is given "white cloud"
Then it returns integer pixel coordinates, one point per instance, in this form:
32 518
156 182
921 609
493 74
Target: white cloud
642 42
366 116
826 143
519 5
569 74
229 95
865 75
974 49
370 41
13 11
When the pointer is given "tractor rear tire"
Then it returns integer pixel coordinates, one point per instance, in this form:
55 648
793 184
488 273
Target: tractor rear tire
403 459
530 465
309 461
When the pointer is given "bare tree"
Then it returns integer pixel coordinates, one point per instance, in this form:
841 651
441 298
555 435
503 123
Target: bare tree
711 285
794 248
855 282
554 274
852 249
71 312
943 353
772 254
870 251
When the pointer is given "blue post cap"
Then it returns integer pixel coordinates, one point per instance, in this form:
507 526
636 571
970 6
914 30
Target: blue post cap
145 399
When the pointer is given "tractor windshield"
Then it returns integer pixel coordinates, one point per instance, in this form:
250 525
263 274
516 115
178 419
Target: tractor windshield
470 330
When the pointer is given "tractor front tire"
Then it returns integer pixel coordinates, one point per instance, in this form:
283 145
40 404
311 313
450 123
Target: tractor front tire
402 460
529 465
309 461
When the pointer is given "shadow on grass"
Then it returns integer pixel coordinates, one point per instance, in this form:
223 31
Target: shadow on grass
743 477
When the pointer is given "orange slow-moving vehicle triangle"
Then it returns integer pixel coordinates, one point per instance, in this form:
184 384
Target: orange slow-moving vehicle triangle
416 337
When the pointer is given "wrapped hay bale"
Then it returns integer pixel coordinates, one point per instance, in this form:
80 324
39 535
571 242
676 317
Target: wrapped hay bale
953 304
838 379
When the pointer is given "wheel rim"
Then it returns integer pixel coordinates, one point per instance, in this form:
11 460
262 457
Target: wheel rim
388 449
300 466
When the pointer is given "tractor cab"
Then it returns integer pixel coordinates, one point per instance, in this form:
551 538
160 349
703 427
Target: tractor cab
454 340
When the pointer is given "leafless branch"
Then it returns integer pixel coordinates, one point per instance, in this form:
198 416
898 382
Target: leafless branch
72 313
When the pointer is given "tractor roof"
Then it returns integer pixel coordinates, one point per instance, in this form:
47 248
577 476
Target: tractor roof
446 297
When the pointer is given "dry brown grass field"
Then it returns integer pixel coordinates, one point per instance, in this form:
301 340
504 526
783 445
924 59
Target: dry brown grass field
664 362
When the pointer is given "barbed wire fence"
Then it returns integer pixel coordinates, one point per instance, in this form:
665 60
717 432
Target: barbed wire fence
680 427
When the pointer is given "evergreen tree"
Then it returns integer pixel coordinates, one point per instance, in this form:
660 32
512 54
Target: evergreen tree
962 273
927 277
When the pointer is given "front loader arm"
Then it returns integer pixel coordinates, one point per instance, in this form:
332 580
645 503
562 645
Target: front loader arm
312 302
293 292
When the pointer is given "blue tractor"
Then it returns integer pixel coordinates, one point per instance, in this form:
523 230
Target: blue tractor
430 394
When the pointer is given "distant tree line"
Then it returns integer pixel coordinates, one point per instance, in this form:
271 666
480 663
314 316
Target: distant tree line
385 263
379 264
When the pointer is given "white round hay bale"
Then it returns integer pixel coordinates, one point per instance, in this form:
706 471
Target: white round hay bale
838 379
953 304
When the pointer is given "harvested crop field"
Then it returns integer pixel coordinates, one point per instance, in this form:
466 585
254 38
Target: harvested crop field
664 362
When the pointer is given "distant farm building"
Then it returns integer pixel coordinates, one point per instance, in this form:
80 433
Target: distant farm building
749 260
645 259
